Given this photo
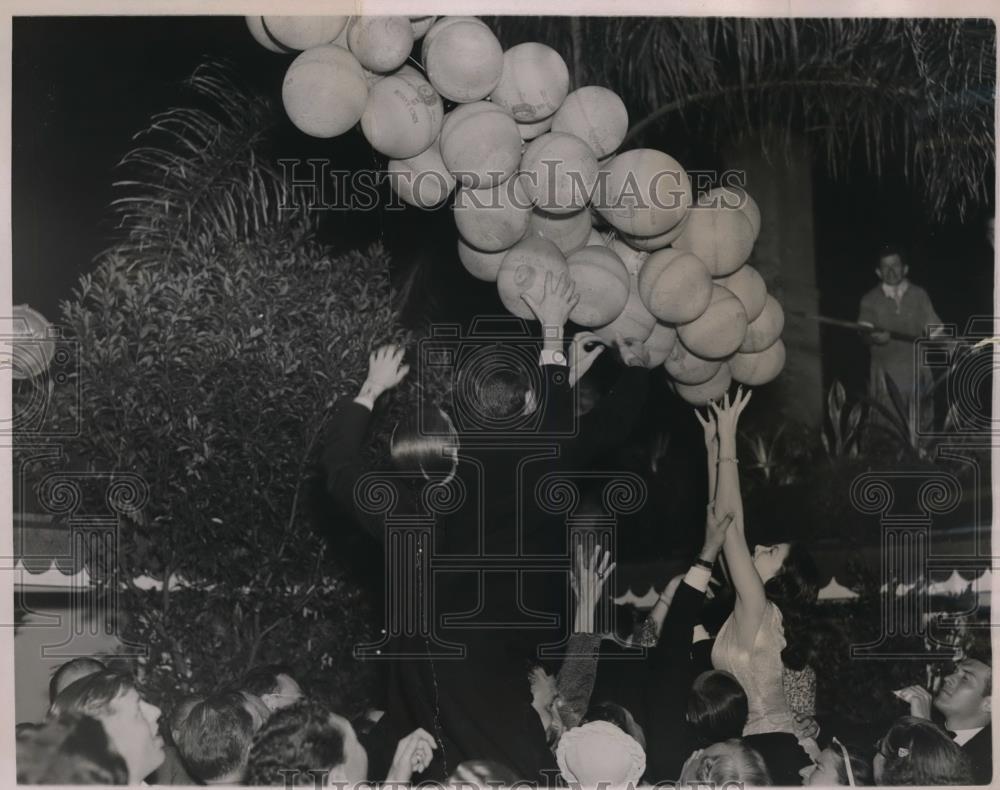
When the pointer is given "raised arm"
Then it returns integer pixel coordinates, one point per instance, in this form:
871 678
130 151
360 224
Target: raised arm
751 602
342 461
711 451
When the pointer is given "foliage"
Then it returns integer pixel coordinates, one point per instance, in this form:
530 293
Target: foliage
213 340
841 433
917 93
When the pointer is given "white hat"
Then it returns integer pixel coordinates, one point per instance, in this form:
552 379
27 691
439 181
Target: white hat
599 752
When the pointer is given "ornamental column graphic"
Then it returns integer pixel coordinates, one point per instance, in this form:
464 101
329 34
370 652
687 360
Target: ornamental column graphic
95 505
905 543
409 545
558 493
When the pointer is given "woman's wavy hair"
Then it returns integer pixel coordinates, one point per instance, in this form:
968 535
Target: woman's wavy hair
739 764
425 441
794 590
918 752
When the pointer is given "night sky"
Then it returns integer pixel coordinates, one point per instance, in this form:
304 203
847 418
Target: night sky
84 86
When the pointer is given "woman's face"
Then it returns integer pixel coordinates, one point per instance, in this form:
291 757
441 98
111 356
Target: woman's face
822 773
769 559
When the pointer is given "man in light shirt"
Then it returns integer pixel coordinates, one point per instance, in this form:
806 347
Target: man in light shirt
897 305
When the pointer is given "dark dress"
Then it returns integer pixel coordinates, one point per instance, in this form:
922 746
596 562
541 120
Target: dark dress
468 685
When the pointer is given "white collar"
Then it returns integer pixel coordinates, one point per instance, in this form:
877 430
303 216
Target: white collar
962 737
896 292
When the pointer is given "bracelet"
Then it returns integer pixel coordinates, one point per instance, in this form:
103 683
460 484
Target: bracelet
733 460
705 564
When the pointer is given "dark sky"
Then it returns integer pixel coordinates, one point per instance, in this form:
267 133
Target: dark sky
84 86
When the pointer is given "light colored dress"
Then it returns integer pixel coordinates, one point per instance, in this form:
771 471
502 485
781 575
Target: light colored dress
759 671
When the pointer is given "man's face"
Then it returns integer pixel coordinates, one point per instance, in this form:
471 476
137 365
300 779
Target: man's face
963 693
131 724
287 694
891 270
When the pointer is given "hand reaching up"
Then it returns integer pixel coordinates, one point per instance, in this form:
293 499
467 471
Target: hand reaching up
587 581
559 297
413 754
385 371
710 429
580 359
633 352
727 415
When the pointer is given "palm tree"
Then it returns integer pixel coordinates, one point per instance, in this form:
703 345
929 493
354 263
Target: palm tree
912 94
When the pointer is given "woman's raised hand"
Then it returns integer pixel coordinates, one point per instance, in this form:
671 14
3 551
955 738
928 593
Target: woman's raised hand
727 414
587 581
709 427
413 754
580 359
385 370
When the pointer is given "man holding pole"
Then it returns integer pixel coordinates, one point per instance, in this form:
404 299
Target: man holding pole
898 312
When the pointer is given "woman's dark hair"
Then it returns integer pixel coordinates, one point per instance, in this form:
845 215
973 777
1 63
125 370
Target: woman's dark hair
918 752
67 750
494 391
483 773
424 441
299 742
717 707
794 590
611 712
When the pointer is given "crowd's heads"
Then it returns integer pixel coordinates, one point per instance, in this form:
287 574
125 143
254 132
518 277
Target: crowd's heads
495 392
180 712
729 762
70 672
839 764
965 696
618 715
131 722
306 744
425 441
214 738
600 753
69 749
917 752
717 707
274 685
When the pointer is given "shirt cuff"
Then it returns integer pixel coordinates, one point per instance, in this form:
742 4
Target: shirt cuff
552 357
698 577
699 634
368 403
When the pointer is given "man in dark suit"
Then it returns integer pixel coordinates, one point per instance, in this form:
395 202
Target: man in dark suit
965 702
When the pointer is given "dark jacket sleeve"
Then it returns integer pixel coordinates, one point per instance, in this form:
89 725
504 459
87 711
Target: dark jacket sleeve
343 464
611 420
682 616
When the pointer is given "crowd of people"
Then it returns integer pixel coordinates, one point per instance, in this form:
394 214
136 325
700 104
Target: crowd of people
687 699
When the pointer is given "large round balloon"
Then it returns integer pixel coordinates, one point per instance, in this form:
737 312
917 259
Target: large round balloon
602 283
766 329
403 116
736 197
481 265
675 286
749 288
635 323
258 31
443 24
380 43
493 219
760 367
421 24
569 232
529 131
33 343
722 237
687 368
533 83
560 171
660 343
304 32
653 243
523 271
595 115
718 331
324 91
643 192
422 180
463 59
480 144
713 389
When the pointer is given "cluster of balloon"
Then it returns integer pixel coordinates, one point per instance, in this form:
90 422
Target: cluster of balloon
540 186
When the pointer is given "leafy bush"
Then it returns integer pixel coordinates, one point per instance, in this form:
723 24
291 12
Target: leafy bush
213 338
